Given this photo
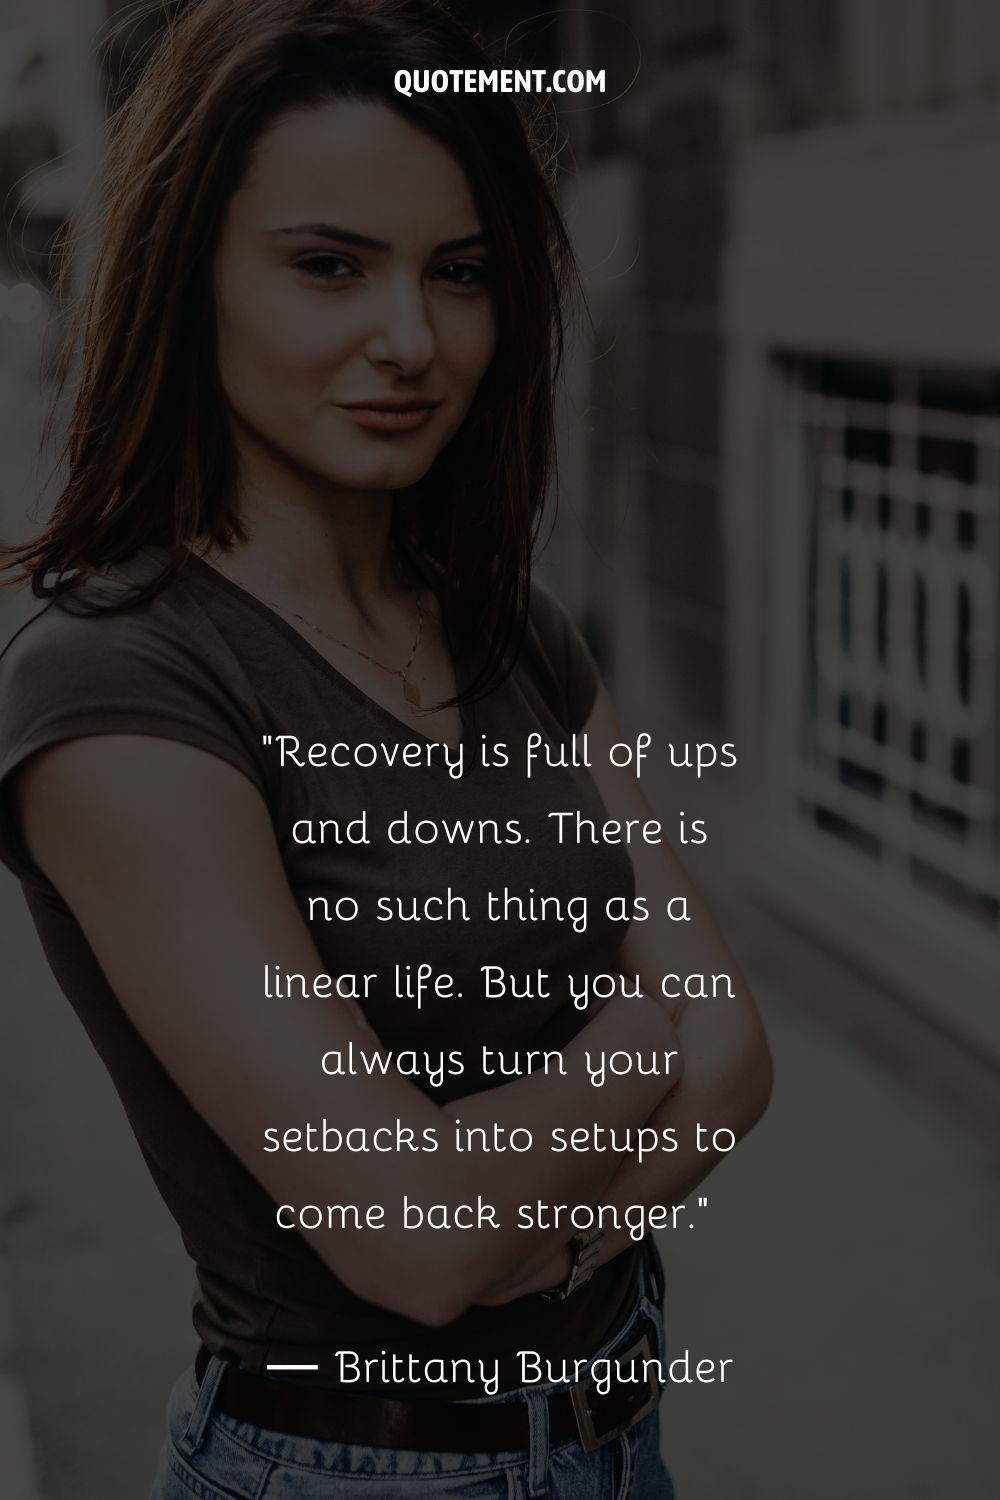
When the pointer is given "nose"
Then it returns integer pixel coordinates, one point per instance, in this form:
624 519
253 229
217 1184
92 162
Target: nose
402 337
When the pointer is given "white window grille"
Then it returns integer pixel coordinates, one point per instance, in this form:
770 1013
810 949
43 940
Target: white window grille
897 753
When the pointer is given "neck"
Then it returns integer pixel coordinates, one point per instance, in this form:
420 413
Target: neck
307 540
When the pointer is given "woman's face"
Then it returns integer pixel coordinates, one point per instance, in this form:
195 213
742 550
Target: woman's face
355 319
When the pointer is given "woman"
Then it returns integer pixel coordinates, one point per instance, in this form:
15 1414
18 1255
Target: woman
306 465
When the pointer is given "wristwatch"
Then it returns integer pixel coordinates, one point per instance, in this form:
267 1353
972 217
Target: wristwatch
585 1247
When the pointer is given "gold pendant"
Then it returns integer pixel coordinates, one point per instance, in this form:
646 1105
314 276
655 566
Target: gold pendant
411 692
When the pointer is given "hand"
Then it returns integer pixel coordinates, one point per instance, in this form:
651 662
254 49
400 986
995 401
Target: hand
550 1272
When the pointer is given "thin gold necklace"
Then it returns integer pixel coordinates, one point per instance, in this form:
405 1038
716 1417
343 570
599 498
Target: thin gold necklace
411 691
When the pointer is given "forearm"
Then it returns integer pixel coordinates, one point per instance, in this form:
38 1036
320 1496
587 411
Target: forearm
543 1262
727 1070
565 1101
726 1084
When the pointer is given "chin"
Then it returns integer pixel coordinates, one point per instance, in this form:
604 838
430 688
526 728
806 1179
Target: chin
395 471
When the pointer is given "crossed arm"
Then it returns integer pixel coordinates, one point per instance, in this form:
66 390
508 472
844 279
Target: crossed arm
147 840
726 1078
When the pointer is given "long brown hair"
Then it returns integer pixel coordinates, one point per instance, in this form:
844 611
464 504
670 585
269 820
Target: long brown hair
148 452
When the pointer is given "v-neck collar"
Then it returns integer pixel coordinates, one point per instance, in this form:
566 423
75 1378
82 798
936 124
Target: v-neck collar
319 661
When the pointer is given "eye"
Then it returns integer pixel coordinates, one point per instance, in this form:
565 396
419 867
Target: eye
467 275
326 267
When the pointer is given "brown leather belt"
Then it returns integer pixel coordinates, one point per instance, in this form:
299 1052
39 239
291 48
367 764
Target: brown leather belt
578 1414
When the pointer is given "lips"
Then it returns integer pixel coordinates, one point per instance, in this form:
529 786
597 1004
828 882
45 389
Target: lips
391 414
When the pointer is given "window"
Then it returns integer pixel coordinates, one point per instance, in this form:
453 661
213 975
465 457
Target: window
896 752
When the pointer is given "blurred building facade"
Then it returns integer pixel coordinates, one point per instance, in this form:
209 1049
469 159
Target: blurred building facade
783 451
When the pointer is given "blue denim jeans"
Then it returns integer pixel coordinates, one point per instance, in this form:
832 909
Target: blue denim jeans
211 1456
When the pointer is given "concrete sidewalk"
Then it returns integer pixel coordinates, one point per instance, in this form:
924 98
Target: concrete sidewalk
18 1473
99 1283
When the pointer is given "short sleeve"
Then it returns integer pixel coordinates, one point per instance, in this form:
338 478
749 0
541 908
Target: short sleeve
568 655
67 675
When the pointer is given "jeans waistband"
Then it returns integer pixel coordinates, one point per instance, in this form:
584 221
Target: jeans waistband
283 1447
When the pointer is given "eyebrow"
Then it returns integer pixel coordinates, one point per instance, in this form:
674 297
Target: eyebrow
365 242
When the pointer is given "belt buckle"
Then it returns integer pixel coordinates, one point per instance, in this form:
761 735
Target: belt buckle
593 1436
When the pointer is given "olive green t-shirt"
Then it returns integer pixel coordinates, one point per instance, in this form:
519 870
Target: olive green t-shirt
206 663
